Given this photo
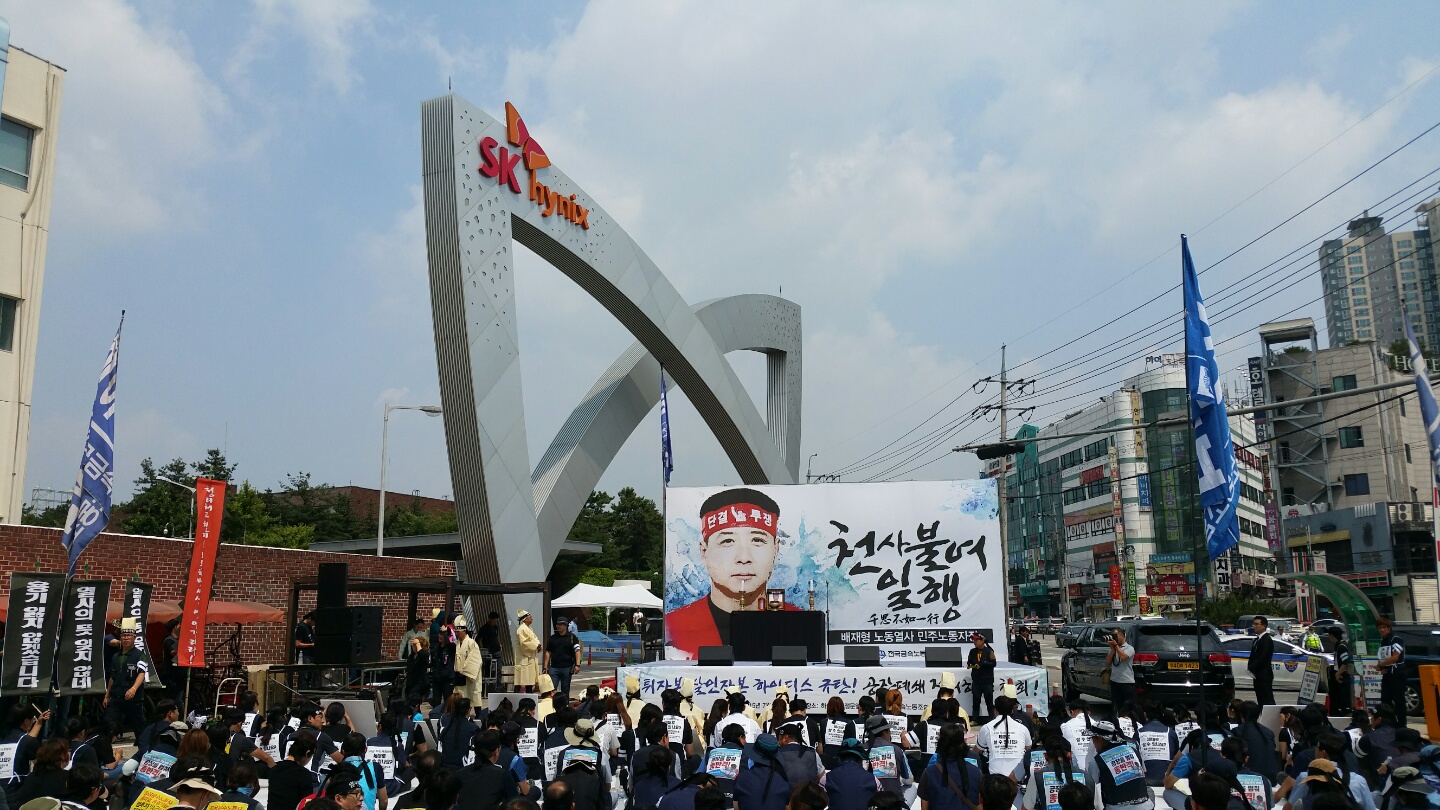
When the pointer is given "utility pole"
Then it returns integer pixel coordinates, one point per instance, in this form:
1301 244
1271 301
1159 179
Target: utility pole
1003 507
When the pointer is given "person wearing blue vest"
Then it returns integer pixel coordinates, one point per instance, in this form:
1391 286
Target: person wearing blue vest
723 762
943 783
850 784
1154 740
764 785
887 759
372 776
1116 771
1042 791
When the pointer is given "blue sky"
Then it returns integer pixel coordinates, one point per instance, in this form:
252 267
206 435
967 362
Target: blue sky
926 180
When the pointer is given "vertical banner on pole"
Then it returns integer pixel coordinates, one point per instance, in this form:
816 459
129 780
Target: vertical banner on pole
209 510
137 607
30 627
82 638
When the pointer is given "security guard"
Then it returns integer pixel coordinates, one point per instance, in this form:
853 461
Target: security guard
125 683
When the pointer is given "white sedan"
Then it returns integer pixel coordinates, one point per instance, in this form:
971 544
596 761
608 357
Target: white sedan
1288 662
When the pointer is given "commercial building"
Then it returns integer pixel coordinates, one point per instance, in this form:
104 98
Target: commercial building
1109 524
29 118
1371 277
1352 474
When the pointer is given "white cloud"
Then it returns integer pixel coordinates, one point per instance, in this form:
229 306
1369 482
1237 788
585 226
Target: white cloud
329 28
138 114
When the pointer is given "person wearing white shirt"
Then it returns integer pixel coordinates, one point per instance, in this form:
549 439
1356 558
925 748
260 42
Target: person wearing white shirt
736 717
1076 731
1004 741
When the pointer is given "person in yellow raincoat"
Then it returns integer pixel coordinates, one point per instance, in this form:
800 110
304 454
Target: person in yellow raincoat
527 647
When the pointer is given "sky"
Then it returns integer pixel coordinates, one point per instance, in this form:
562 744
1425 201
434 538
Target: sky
928 181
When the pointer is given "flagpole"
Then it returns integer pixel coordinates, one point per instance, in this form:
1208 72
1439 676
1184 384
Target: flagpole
1195 551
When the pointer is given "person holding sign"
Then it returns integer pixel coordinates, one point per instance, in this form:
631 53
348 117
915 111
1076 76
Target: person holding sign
1116 770
723 761
1255 784
952 776
125 681
887 759
18 747
738 546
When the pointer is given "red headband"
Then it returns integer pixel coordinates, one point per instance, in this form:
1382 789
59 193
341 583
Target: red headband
737 516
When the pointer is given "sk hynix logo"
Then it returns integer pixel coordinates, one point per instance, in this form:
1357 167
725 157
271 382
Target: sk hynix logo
501 165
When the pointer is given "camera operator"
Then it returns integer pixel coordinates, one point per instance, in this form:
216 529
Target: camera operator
1118 664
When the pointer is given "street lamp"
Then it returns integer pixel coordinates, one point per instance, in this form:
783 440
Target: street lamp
191 531
429 410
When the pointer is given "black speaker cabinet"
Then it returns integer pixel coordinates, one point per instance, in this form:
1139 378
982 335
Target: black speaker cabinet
342 621
332 582
717 657
862 656
945 656
788 655
347 649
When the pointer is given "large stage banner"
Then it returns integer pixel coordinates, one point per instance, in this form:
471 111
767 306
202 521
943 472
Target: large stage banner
817 684
901 566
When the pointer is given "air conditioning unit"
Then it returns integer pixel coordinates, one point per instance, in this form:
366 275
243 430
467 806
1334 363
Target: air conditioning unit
1402 511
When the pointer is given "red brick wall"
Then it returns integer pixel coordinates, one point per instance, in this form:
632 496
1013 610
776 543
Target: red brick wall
242 573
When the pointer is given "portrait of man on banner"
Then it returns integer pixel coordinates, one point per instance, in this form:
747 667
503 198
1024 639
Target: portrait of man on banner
739 545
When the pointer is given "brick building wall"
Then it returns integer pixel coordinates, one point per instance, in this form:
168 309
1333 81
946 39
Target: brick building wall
242 573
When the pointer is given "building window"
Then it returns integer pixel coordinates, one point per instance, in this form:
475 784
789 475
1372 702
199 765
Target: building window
1357 484
1351 437
1407 454
1345 383
7 323
1402 407
16 140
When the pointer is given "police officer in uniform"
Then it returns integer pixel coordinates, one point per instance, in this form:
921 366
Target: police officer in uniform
125 683
1392 669
1341 693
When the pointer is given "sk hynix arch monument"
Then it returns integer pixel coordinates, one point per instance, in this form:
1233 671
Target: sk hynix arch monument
489 183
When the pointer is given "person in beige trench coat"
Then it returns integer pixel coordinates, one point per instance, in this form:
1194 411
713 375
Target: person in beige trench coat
527 648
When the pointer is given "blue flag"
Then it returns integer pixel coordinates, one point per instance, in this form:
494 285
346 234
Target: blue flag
1214 452
1428 411
90 500
667 456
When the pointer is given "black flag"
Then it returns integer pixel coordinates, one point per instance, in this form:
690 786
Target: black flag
30 626
82 638
137 607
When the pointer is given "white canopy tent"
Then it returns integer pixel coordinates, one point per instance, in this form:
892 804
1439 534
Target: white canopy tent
619 596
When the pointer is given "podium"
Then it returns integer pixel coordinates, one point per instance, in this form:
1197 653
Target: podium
754 632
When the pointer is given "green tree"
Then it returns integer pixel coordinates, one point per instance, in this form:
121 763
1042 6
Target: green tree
246 515
53 517
1229 608
283 537
637 533
592 525
411 520
214 466
158 508
301 503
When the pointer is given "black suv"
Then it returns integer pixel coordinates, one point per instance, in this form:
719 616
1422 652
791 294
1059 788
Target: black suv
1167 666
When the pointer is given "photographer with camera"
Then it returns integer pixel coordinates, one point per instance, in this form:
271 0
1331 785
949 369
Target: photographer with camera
1119 668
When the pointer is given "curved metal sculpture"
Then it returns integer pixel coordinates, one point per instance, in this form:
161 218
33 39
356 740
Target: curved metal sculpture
489 183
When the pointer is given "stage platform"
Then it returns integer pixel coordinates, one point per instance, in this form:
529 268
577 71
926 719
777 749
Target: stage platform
817 683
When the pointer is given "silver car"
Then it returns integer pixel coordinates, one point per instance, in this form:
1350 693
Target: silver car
1288 662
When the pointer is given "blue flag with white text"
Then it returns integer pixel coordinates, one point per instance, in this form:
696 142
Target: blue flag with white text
90 500
1214 451
1428 410
667 456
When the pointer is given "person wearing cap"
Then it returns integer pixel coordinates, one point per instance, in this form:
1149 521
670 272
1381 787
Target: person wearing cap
1408 788
583 768
781 691
195 787
527 650
689 709
947 693
764 785
1330 749
545 703
887 758
850 784
1393 669
981 663
1340 677
739 531
125 683
801 762
562 655
1116 771
468 664
1003 741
